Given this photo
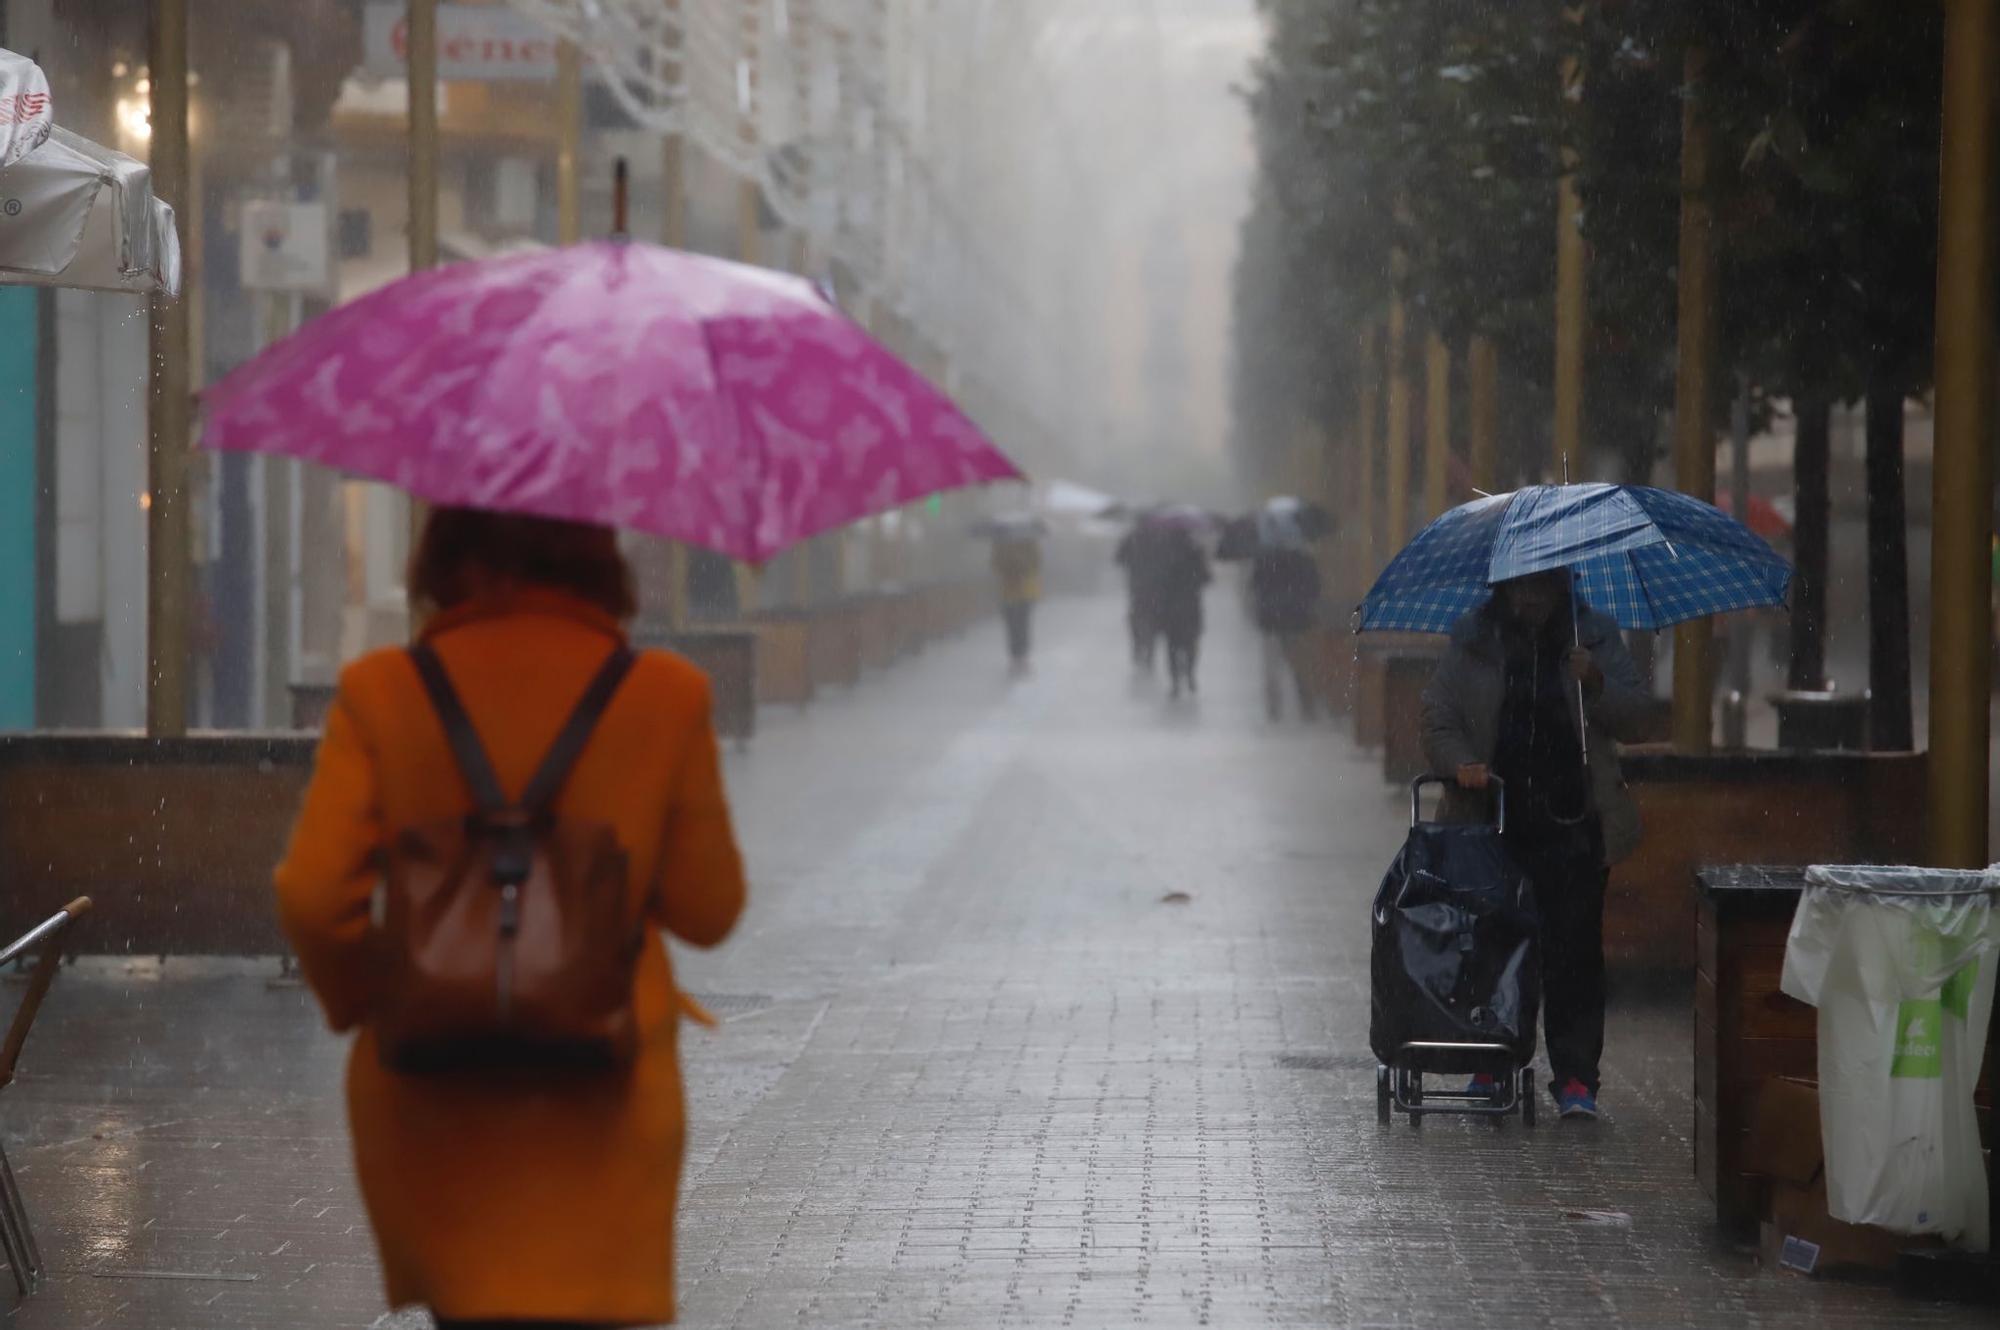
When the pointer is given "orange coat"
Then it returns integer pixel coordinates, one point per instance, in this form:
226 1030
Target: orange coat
547 1199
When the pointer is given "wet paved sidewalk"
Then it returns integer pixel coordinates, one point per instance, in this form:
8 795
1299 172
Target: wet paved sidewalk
981 1067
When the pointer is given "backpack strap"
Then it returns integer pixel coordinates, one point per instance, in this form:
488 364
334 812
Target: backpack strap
548 779
473 763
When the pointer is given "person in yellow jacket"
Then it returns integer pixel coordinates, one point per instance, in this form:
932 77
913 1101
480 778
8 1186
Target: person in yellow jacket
1017 563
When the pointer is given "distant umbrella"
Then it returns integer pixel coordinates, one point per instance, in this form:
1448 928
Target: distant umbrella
1011 526
1066 498
1281 522
1183 516
1764 517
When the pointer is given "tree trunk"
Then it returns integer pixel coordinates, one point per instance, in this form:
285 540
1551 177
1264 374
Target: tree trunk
1636 467
1811 462
1888 573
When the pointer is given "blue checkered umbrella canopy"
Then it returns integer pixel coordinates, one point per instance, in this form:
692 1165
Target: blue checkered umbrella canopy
1647 557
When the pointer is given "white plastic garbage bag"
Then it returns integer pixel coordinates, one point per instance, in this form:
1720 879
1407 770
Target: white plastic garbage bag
26 115
1901 964
75 213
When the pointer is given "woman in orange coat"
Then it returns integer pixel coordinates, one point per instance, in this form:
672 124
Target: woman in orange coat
523 1198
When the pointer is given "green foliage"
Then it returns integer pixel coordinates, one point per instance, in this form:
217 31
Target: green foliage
1824 131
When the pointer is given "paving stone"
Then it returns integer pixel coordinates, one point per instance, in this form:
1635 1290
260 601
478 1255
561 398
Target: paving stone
975 1071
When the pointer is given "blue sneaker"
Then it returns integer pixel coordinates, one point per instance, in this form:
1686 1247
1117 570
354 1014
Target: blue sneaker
1483 1086
1575 1100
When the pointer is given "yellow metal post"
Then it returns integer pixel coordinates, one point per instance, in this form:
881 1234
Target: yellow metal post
1437 424
423 79
569 143
1482 409
422 74
169 565
749 227
1694 441
1395 355
673 234
750 249
1571 311
1962 487
1367 406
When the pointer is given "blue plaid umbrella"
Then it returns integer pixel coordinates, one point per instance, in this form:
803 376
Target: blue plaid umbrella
1647 557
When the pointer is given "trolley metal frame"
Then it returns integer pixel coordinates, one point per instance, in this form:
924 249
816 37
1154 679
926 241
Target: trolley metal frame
1399 1084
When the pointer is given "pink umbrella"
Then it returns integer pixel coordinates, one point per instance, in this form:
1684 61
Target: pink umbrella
623 384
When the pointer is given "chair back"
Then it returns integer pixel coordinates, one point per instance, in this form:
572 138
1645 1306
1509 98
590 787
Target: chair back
48 936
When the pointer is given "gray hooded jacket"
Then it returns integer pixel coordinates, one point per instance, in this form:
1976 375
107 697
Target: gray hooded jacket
1461 719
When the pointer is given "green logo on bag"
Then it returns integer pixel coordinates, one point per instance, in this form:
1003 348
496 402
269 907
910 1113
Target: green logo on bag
1957 995
1919 1051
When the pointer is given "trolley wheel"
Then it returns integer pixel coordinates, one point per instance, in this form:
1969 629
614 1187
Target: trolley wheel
1527 1096
1383 1102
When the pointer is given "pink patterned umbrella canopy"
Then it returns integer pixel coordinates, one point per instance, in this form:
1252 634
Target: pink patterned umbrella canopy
624 384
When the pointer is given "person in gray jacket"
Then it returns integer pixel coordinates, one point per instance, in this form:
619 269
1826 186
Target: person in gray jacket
1505 702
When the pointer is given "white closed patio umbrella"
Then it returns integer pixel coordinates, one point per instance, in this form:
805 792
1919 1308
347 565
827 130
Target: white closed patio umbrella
26 115
74 213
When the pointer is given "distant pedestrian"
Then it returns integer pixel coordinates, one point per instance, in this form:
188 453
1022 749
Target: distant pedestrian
1284 594
1504 702
1017 563
506 1179
1183 575
1137 555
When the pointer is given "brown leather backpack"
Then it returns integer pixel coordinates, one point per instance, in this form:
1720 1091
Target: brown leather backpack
507 938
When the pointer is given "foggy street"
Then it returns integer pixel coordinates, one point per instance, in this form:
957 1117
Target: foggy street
813 626
977 1067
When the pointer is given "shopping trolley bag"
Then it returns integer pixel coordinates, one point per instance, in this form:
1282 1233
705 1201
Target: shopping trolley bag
1454 958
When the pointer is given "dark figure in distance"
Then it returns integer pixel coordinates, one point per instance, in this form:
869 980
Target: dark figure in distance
1284 594
1183 574
1139 555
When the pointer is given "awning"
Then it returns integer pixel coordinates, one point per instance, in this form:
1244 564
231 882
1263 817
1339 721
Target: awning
75 213
26 116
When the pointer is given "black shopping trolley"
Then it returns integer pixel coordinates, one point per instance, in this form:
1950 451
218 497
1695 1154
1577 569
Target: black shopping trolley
1455 970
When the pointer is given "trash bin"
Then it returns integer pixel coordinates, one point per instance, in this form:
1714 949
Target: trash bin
1815 720
1901 964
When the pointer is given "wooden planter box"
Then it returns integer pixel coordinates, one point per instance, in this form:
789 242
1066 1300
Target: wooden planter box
785 657
940 607
1746 1031
728 656
906 621
1404 677
1377 711
1337 670
1770 808
835 646
878 641
173 839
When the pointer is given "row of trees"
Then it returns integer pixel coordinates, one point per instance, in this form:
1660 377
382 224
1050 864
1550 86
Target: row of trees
1438 130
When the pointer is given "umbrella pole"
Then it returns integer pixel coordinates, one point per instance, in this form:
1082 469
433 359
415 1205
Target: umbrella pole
1576 640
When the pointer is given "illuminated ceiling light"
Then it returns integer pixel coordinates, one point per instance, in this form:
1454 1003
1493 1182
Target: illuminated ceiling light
135 118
